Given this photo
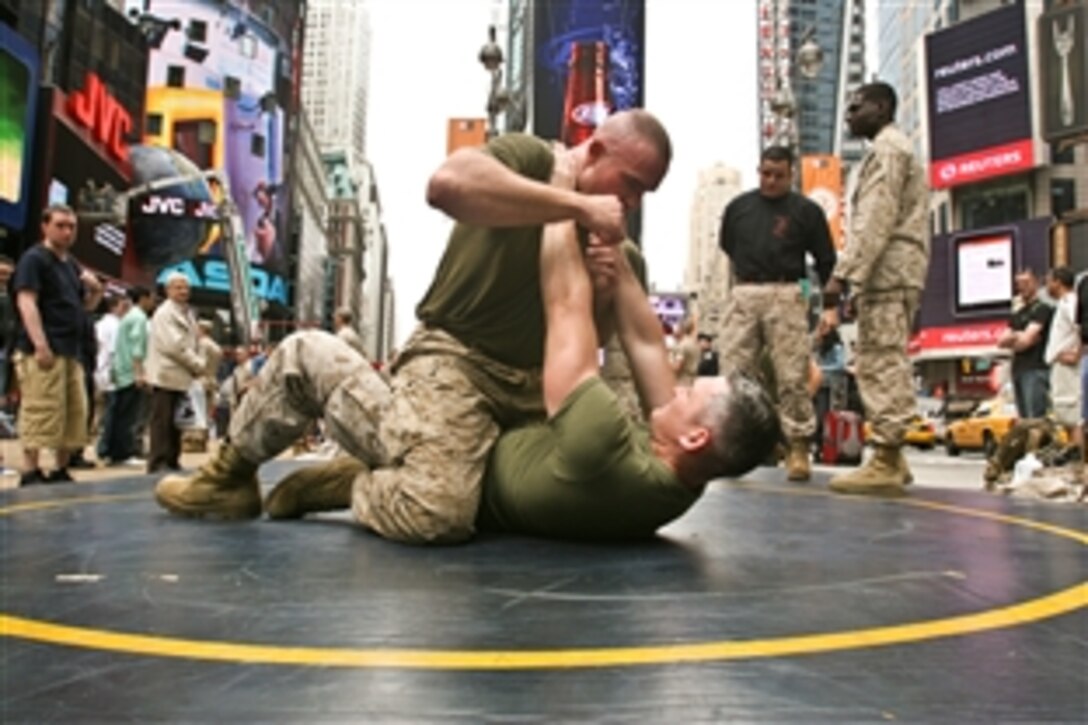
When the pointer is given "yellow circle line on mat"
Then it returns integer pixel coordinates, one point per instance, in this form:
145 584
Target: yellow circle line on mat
1061 602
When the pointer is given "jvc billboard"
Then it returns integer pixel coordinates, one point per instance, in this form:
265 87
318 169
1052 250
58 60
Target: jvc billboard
979 99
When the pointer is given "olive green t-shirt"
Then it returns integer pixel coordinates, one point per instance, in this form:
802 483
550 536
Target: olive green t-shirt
587 473
486 292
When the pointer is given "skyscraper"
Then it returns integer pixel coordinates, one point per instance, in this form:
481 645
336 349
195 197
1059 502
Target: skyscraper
336 75
818 104
902 26
707 273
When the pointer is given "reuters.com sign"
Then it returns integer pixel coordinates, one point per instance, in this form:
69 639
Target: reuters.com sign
979 102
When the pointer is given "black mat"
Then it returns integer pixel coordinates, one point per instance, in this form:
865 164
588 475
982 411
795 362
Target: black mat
767 602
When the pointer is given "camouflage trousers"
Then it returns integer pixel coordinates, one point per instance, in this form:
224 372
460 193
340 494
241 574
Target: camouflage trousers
425 438
775 317
883 369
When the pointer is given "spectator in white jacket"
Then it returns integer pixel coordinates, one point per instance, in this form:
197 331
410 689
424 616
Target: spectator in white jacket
173 362
105 331
1063 353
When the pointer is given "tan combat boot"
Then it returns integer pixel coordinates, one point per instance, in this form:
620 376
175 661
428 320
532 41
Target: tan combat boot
324 487
884 474
223 488
908 477
798 467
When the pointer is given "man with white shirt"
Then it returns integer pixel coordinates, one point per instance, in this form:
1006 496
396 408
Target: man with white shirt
105 332
1063 353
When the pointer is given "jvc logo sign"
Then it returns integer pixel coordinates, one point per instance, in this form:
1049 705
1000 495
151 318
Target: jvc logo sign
96 110
176 206
156 205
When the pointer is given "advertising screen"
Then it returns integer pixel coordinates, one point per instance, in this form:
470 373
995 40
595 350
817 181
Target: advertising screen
590 57
1063 35
18 98
219 91
984 272
80 176
978 98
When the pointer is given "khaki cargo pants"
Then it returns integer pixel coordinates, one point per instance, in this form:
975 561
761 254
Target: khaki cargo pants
772 316
426 437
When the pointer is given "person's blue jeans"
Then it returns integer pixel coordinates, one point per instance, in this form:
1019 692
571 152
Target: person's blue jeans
1032 389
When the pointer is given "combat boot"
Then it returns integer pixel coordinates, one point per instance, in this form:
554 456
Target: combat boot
324 487
798 467
223 488
884 474
908 476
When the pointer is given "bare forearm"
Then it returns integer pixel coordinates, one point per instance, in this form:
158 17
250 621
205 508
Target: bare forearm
32 321
570 344
476 188
642 340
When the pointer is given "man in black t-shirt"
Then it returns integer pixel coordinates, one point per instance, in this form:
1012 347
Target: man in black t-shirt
1026 338
767 232
52 295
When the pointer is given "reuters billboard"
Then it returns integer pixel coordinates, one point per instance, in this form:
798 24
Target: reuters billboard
590 58
979 99
220 89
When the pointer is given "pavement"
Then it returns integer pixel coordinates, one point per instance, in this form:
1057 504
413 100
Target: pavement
11 456
932 468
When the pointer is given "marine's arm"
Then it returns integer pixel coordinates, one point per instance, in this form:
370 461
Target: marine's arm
640 334
475 187
570 343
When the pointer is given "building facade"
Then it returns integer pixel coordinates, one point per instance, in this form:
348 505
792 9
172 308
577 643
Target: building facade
995 186
346 240
807 113
708 273
310 200
336 75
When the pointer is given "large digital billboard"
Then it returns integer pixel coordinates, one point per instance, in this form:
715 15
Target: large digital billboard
590 57
220 88
1063 35
979 99
18 98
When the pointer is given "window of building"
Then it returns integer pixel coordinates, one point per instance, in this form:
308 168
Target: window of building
175 76
154 124
198 31
997 205
1063 196
1065 156
256 145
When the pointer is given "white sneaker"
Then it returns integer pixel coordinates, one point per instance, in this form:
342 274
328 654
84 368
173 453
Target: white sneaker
135 462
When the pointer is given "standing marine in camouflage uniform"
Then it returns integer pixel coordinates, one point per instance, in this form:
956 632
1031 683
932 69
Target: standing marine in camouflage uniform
885 262
767 232
472 368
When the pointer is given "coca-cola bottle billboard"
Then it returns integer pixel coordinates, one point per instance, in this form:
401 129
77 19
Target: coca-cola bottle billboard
588 99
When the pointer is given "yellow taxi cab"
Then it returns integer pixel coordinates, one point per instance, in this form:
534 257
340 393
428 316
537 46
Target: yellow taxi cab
921 432
983 429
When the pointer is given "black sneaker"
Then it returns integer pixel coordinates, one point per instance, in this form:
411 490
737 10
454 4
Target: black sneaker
60 475
79 462
30 478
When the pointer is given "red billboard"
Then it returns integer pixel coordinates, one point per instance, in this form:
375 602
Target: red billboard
979 100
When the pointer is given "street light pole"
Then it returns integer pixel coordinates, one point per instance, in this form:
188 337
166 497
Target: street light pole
498 97
808 60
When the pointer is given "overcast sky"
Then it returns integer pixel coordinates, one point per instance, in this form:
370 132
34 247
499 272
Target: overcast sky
700 80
